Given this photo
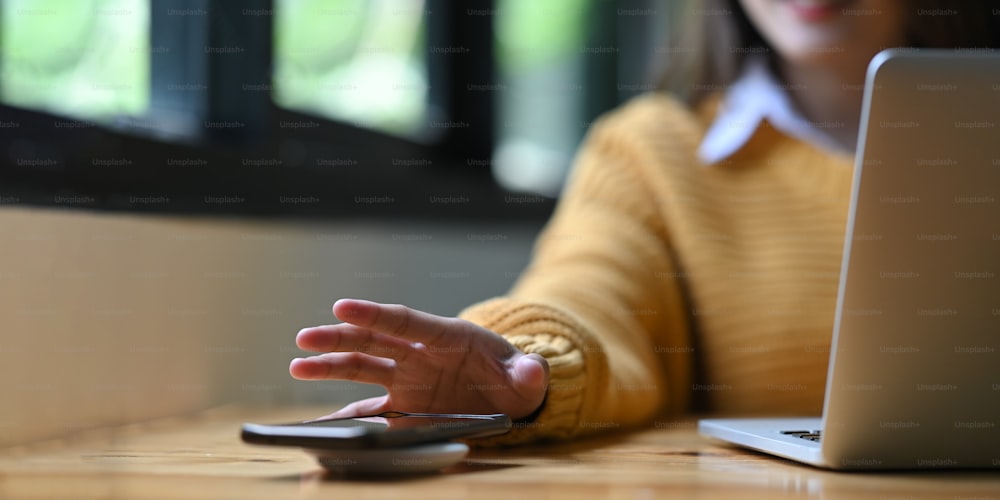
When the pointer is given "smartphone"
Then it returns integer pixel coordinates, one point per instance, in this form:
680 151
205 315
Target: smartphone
385 430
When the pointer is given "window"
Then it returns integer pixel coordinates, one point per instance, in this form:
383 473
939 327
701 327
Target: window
87 59
329 101
541 90
357 61
561 64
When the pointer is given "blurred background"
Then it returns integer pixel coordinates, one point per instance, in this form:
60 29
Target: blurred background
186 183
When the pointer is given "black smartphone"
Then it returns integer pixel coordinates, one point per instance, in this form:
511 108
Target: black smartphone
385 430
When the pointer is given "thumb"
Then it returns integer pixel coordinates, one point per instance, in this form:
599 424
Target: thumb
531 377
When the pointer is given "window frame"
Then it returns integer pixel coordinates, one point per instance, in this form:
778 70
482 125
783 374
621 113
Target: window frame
184 166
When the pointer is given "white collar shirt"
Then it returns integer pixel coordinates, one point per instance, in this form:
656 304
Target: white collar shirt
757 96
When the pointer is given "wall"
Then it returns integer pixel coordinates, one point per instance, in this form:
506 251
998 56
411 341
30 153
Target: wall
111 318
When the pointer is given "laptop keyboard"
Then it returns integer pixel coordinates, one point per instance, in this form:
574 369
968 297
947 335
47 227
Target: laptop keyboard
810 435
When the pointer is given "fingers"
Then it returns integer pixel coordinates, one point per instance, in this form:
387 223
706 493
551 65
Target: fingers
346 337
393 319
353 366
362 408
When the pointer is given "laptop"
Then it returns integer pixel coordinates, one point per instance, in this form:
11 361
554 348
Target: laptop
914 373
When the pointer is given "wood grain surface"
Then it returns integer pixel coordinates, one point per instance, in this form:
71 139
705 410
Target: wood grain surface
202 456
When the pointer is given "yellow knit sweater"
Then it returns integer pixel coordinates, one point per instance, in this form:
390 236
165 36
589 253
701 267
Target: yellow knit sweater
662 285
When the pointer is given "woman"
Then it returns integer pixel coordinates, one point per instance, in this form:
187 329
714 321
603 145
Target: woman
694 257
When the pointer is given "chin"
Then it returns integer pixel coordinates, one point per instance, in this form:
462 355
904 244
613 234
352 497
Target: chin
843 33
817 11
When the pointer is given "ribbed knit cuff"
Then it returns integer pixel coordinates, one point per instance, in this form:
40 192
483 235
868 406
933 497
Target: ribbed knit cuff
544 330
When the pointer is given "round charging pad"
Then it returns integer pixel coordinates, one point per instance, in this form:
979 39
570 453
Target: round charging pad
419 459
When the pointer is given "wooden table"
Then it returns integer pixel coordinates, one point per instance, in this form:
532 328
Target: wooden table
202 457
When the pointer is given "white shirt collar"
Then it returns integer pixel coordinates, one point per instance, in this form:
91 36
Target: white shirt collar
754 97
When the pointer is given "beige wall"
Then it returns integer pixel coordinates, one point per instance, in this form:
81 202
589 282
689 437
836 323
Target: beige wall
109 318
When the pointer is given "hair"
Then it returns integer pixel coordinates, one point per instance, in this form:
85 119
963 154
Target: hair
716 36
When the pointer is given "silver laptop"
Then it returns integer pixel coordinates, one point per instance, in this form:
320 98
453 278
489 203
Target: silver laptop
914 374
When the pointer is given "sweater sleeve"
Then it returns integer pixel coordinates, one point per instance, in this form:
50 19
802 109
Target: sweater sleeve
602 300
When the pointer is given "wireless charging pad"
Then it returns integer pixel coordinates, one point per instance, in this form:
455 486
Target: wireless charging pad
419 459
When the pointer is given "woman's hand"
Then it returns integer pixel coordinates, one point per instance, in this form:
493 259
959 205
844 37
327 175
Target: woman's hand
427 363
